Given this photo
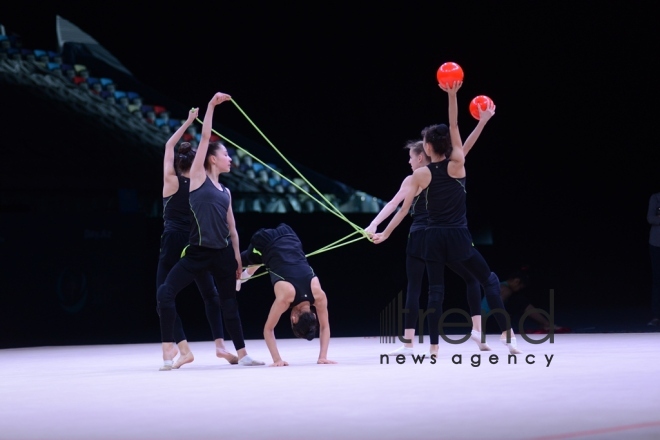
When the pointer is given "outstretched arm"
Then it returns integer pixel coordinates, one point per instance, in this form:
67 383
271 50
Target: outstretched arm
456 166
170 182
410 188
388 209
455 134
276 310
197 171
484 116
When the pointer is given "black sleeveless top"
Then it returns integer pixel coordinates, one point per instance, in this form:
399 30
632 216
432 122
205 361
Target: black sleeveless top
446 198
209 207
419 212
176 209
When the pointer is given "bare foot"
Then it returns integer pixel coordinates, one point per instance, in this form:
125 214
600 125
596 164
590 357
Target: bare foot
224 354
184 359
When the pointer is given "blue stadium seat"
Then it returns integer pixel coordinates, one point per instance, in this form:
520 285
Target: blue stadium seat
132 95
91 81
146 108
160 121
53 66
106 81
175 123
119 94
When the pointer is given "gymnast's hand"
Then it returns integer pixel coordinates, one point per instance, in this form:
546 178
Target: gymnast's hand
325 361
379 238
219 98
279 363
453 88
192 115
370 230
485 115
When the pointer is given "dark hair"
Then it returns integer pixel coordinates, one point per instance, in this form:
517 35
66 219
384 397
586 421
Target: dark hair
213 147
438 136
306 326
417 147
184 157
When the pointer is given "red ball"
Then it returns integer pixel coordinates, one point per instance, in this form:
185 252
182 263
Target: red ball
481 101
448 73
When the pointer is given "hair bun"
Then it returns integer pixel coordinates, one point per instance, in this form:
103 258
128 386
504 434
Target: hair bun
185 148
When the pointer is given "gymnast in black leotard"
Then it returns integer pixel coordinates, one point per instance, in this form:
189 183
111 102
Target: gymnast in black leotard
296 286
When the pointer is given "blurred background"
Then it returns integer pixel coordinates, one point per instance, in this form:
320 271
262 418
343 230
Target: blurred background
559 181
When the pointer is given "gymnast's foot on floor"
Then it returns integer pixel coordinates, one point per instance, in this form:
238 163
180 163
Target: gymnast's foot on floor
224 354
169 352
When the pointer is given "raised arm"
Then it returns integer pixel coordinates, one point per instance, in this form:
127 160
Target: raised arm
456 166
484 116
197 171
389 208
410 189
455 134
653 215
170 182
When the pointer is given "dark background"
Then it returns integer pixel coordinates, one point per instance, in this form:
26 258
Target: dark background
561 175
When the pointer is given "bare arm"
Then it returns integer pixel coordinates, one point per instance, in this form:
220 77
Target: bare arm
276 310
411 187
197 171
388 209
484 116
170 182
321 305
233 234
455 134
456 166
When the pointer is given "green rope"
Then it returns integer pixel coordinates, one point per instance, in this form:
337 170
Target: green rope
326 248
332 209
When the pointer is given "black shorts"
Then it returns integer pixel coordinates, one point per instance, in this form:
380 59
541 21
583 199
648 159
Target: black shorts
171 245
221 262
447 244
415 246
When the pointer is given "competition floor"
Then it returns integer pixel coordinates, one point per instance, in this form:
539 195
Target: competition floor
596 386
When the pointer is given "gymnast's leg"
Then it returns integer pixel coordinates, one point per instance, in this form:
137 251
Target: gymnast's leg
224 274
474 302
415 267
177 279
476 265
213 310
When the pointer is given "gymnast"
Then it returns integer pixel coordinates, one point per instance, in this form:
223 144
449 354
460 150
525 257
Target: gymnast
296 286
